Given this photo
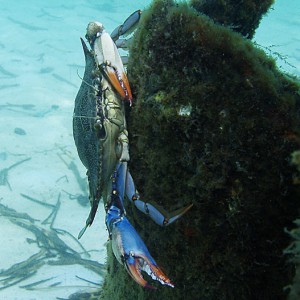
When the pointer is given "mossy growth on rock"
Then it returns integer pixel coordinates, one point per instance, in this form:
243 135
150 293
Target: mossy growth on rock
294 251
214 123
241 16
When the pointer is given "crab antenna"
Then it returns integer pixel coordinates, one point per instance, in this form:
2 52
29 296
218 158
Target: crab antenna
87 83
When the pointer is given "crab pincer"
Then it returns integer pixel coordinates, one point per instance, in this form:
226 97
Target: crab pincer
109 60
129 248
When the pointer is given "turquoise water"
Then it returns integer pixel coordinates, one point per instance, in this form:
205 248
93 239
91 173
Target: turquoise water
41 64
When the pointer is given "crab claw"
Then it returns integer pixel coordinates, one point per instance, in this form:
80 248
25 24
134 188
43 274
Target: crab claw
116 76
135 264
130 250
108 59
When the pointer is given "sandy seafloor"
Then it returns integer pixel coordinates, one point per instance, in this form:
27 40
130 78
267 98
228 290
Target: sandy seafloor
40 55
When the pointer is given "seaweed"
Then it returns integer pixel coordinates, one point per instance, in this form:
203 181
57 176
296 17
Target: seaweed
4 172
52 250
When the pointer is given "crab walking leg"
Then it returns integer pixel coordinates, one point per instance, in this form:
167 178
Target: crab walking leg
126 29
159 215
128 26
128 247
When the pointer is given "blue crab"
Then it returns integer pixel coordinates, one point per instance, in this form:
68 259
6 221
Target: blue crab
101 138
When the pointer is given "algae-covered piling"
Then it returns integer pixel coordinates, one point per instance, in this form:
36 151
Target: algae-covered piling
214 123
241 16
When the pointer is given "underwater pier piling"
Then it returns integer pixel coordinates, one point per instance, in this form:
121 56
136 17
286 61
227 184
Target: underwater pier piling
214 123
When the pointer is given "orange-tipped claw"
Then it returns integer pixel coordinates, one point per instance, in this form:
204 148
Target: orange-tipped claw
135 273
128 247
108 58
135 264
118 80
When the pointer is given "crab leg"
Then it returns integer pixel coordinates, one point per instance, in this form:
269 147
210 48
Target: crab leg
128 247
159 215
128 26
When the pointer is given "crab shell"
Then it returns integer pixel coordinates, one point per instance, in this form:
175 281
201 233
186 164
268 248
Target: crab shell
95 135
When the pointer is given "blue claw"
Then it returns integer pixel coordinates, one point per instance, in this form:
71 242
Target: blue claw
128 247
130 250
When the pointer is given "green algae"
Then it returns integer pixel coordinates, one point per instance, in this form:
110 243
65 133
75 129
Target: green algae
293 251
214 123
241 16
